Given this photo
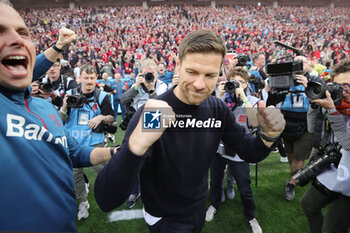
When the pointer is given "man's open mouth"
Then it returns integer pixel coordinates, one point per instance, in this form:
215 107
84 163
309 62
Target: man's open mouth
16 64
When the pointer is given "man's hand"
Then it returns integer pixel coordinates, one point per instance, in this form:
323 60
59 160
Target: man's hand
35 87
326 103
141 139
302 80
46 95
65 37
138 80
271 121
64 107
94 122
221 89
240 94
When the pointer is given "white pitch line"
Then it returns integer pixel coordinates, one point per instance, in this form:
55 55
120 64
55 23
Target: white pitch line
125 215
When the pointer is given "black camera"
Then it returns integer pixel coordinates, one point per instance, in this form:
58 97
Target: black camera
258 83
230 86
46 87
76 101
282 74
316 90
318 163
128 115
243 59
149 77
109 128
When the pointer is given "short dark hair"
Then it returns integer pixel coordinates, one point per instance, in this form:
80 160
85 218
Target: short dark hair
342 67
89 69
238 71
202 41
256 56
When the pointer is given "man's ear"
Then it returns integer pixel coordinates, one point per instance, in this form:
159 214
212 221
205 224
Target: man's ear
177 61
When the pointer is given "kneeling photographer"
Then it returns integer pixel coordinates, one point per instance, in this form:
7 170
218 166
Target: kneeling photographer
331 166
87 115
146 86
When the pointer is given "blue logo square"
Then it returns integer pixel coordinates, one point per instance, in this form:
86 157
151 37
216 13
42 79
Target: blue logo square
152 119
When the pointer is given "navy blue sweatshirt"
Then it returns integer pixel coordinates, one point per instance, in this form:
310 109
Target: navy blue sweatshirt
174 170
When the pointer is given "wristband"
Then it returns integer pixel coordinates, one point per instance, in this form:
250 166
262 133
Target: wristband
267 138
244 102
332 111
111 151
55 48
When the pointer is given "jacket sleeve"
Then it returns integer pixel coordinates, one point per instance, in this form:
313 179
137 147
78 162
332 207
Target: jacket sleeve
116 180
340 130
42 64
128 96
79 155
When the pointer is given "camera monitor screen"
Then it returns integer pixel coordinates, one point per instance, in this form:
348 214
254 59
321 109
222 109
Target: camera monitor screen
281 81
281 68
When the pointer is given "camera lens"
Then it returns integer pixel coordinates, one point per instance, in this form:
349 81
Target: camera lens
315 90
230 87
46 87
149 77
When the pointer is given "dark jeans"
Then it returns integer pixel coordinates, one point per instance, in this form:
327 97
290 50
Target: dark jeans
240 171
337 218
192 223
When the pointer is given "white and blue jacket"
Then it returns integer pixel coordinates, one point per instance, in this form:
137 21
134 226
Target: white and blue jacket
77 122
36 161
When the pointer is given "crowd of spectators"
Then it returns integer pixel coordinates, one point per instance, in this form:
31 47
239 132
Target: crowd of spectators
122 37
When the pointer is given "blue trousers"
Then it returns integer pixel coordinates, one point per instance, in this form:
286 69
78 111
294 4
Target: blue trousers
116 103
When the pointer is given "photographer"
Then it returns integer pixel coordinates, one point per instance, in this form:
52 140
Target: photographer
119 88
54 85
297 139
84 120
146 86
242 107
332 186
258 65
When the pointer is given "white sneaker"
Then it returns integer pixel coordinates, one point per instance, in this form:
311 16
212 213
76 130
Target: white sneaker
275 150
284 159
255 226
83 210
87 188
230 193
210 213
111 138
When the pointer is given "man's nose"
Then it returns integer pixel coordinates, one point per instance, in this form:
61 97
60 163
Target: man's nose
15 39
199 83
